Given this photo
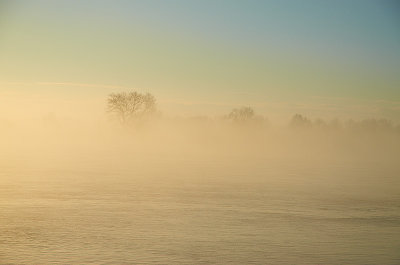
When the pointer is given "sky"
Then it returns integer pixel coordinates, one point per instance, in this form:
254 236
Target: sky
319 58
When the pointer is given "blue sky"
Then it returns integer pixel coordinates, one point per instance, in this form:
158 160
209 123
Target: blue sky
226 52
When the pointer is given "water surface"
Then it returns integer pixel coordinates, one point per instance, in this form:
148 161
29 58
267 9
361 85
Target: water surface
173 211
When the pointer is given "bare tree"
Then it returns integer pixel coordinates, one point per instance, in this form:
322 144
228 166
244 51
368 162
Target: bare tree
129 106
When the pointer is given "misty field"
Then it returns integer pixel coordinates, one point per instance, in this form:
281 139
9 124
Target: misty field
200 132
193 195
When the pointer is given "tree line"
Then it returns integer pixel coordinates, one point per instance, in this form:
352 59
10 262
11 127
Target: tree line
131 107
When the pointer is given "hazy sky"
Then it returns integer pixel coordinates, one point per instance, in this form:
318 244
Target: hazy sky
319 58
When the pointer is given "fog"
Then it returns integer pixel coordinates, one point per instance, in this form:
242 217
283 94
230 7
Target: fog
206 189
199 132
162 142
51 136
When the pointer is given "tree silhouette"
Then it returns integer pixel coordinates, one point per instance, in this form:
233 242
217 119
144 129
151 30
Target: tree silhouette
298 121
241 115
127 107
